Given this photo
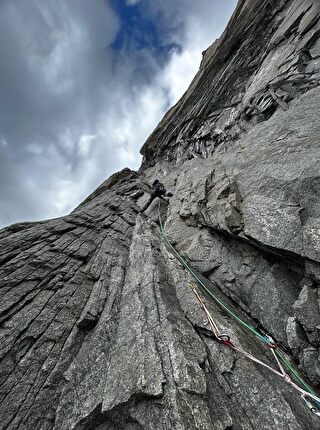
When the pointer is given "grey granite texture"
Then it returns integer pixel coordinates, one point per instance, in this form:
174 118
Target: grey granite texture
97 318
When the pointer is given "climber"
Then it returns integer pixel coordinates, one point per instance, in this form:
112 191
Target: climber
157 190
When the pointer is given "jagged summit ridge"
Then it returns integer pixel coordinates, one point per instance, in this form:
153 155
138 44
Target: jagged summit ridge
266 58
97 319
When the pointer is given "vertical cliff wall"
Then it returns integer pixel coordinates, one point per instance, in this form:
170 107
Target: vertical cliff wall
99 328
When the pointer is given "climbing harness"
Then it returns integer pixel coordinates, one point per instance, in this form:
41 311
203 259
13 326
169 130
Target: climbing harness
283 361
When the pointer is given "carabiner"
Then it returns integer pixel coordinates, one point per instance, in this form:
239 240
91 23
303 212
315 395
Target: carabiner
271 342
313 409
225 339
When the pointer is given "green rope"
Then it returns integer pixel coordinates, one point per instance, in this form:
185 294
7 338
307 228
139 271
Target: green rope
285 361
279 352
213 296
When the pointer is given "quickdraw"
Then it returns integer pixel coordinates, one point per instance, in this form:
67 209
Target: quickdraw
307 393
313 408
222 337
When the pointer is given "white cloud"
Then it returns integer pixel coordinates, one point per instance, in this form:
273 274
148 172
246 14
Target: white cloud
70 113
204 21
179 72
132 2
85 143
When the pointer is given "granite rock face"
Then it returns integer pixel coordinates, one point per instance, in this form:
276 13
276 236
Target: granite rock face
97 319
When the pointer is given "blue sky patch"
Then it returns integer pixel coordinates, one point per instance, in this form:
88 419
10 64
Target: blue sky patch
141 31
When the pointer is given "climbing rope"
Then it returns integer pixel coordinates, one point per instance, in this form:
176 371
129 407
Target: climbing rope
227 341
282 360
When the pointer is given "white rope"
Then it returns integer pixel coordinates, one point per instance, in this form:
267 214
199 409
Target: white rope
282 373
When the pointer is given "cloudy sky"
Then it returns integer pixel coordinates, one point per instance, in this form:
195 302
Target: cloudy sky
83 83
